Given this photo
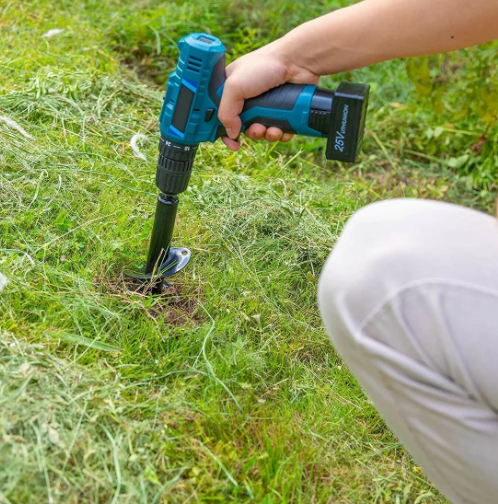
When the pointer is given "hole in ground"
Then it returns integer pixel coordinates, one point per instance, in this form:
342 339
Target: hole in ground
177 306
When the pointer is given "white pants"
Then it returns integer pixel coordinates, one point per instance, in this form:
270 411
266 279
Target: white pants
409 297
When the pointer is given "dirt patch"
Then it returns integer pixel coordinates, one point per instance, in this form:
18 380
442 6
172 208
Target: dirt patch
178 309
178 305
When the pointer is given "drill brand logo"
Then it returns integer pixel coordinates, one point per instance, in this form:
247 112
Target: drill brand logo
340 136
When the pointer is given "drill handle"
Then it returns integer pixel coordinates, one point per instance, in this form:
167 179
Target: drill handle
274 101
286 107
311 111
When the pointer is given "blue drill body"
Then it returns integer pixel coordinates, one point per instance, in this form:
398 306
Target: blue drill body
194 91
183 121
190 111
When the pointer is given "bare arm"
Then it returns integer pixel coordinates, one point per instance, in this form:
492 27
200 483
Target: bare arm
377 30
363 34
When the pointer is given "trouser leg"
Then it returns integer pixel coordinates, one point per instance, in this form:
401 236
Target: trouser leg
409 297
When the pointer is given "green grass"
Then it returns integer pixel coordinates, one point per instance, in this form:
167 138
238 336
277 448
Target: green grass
227 389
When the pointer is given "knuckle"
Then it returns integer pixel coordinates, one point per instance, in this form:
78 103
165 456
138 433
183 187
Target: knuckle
226 116
232 85
223 116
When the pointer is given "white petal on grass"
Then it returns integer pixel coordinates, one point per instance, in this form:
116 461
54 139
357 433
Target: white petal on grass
134 146
12 124
53 32
3 282
53 436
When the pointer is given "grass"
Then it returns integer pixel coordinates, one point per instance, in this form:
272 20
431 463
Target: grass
226 389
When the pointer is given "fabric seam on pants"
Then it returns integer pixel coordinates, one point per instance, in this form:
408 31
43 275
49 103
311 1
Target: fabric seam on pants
448 284
403 416
441 282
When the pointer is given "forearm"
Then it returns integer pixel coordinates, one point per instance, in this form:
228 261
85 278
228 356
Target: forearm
377 30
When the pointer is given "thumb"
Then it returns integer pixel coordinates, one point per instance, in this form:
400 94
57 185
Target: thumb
231 105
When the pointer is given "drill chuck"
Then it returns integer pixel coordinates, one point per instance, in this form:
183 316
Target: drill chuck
174 166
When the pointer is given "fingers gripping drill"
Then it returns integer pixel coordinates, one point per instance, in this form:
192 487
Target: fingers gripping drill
190 116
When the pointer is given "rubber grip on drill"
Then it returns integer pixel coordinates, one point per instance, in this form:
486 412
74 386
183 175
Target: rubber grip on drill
283 97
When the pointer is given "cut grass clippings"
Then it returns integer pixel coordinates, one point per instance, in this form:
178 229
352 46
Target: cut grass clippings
225 388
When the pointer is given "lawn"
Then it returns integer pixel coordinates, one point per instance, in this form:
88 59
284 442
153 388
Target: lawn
226 388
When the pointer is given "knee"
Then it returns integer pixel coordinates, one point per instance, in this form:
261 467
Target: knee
383 247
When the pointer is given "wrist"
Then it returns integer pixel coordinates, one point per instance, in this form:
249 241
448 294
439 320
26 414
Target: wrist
293 52
278 51
287 50
336 42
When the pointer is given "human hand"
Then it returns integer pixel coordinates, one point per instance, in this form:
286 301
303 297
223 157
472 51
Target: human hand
250 76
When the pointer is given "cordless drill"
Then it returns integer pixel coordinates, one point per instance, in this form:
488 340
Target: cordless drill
189 116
